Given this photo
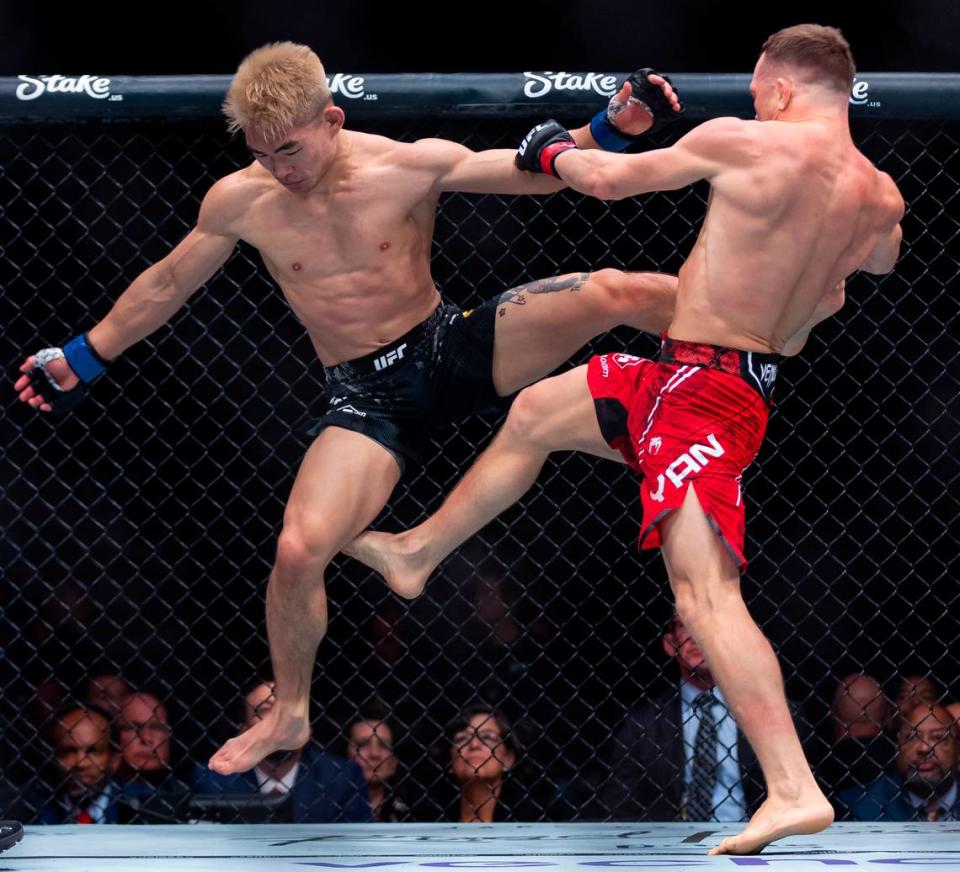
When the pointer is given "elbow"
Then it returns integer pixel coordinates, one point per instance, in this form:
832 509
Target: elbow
601 183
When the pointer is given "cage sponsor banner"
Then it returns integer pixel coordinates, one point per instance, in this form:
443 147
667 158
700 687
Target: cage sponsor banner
363 95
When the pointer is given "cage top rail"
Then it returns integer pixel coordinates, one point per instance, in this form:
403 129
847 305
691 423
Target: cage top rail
37 98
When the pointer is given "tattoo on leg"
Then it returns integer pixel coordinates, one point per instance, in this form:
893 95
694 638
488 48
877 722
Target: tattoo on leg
518 295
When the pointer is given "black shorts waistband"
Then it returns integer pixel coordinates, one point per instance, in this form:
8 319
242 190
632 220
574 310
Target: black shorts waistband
386 357
757 368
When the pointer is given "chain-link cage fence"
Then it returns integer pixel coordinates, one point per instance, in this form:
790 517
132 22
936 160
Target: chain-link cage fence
139 530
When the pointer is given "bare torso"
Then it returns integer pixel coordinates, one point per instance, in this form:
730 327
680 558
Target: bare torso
796 212
352 257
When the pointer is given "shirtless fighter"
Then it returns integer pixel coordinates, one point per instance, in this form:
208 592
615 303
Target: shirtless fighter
794 208
343 221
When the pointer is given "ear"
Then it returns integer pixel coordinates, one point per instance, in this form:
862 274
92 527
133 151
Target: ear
334 117
509 759
670 644
784 93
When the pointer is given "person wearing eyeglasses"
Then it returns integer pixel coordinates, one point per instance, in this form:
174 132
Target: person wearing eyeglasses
484 753
923 785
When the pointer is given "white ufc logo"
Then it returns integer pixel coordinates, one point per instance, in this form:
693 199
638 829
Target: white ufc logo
390 358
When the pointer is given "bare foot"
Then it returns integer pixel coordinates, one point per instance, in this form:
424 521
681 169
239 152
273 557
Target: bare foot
398 558
266 736
775 820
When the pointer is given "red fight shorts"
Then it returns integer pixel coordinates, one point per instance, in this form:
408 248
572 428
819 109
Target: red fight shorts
696 416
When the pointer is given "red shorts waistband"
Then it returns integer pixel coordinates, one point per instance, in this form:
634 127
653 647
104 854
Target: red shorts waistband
757 368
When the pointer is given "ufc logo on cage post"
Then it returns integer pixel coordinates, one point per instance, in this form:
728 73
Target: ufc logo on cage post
390 358
695 458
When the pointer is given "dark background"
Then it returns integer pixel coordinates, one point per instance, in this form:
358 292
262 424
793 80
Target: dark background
681 35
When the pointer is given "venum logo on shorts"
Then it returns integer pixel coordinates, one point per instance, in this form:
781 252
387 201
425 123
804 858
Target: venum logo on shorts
541 84
97 87
351 410
695 458
351 87
390 358
655 445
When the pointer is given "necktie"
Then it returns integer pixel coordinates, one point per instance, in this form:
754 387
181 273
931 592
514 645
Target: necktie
82 817
704 775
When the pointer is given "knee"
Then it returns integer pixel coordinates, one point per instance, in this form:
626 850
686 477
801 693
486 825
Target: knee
301 552
526 423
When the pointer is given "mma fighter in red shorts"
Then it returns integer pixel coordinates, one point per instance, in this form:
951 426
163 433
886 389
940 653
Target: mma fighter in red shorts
794 209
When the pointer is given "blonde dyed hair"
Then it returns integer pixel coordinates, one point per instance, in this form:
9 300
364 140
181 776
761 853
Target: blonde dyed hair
276 87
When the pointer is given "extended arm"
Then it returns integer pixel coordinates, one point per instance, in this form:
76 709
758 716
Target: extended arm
494 171
700 154
148 303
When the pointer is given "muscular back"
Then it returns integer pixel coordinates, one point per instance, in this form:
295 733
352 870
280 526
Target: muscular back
794 209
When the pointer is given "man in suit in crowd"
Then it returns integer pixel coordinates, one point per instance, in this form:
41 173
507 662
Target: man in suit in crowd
86 790
860 748
924 785
323 788
681 756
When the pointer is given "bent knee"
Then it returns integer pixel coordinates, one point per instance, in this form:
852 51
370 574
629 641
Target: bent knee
529 418
300 550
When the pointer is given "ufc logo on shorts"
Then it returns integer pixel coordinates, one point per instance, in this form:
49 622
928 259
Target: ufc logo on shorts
390 358
693 460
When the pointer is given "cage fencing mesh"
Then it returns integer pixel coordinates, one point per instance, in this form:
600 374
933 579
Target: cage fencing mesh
139 530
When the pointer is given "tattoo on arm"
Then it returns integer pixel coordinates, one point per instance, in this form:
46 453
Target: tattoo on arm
518 295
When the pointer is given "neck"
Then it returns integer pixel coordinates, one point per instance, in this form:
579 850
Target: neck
800 110
377 796
478 800
279 770
700 682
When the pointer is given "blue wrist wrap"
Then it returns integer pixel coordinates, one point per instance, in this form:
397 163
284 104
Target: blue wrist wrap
606 136
83 360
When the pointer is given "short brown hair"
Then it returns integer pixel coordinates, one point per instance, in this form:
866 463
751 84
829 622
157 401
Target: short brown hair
276 87
822 51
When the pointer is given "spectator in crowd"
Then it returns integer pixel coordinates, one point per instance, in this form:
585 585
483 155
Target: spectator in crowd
145 739
483 754
108 691
323 788
681 756
911 691
954 709
84 746
370 744
924 785
860 748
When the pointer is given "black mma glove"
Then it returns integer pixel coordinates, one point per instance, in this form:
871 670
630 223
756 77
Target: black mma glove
602 126
538 150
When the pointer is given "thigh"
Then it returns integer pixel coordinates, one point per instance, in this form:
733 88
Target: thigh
541 324
559 414
344 481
